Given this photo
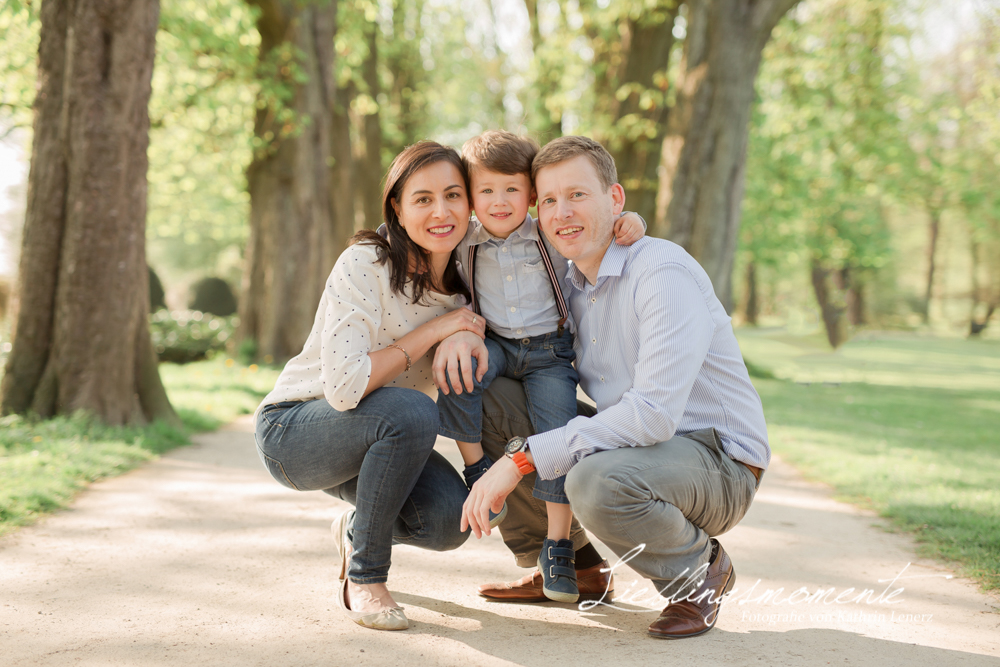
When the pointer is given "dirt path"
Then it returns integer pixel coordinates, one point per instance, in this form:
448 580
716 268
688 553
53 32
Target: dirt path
201 559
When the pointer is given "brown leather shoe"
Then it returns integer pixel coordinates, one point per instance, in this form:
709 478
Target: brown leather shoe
593 585
697 613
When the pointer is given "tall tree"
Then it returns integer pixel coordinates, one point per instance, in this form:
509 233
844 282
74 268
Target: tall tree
301 199
407 93
630 69
826 139
370 171
81 337
704 150
549 71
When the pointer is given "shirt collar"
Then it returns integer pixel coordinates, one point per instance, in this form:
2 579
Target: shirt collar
614 260
612 265
527 230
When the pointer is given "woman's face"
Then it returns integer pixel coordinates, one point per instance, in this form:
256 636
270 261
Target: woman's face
434 208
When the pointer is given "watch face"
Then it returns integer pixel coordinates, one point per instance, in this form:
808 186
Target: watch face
514 445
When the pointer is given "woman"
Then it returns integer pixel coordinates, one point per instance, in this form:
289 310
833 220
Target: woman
348 416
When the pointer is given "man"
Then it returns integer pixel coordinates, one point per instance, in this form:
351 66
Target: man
676 450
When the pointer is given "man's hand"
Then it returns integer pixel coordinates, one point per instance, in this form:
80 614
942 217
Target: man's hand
489 493
457 350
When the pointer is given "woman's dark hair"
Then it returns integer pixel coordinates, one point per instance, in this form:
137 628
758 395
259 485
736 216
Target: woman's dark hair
399 248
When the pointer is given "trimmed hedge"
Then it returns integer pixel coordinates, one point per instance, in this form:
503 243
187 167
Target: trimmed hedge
183 336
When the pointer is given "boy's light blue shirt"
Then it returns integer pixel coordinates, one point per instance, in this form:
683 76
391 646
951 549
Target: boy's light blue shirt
513 288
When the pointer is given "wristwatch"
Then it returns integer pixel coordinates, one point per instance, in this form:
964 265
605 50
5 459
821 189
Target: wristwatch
515 451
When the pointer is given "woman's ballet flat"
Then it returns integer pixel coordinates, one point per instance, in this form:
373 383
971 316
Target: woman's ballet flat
339 528
387 619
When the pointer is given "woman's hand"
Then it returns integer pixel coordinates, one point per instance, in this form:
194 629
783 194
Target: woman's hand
390 362
456 352
462 319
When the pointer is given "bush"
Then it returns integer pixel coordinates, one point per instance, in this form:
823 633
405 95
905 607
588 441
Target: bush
213 295
189 335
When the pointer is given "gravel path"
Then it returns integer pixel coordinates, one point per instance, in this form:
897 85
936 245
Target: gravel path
201 559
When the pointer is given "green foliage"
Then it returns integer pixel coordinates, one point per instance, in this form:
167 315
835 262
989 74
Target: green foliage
19 27
185 336
826 147
219 390
214 296
899 424
202 115
858 121
247 351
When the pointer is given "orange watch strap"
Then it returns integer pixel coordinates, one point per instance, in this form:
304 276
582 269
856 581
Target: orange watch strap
523 464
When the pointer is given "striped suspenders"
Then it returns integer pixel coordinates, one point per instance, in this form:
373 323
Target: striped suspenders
560 302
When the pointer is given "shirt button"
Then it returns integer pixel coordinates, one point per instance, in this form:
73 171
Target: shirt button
593 299
505 249
594 341
518 331
602 378
558 471
510 278
513 309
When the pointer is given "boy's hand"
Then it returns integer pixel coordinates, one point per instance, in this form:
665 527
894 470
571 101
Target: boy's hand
456 352
629 228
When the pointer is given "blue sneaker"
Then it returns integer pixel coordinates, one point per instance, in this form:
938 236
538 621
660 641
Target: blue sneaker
557 563
473 473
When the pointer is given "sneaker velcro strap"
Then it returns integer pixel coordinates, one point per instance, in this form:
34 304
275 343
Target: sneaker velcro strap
561 571
561 552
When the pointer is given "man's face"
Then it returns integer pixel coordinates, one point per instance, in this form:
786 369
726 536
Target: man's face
576 212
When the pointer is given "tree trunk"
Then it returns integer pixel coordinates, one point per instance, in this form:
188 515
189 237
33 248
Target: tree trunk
370 174
704 151
408 75
856 305
829 295
639 119
81 338
301 215
752 309
545 113
934 230
854 300
991 293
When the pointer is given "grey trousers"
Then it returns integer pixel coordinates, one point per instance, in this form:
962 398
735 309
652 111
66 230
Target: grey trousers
672 496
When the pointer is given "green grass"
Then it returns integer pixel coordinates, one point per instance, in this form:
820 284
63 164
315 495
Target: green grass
901 424
43 464
216 391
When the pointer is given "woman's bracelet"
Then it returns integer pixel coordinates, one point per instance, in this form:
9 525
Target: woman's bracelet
408 362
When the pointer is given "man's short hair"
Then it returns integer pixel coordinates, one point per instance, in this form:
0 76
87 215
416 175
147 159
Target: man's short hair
500 151
567 148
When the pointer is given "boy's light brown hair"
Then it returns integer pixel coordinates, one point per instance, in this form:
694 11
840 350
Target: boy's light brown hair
500 151
567 148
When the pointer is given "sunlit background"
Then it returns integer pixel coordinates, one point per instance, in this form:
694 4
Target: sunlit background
855 149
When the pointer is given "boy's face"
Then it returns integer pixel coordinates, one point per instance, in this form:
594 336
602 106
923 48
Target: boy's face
501 201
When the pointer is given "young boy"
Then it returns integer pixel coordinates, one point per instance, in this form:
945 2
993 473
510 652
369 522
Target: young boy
517 282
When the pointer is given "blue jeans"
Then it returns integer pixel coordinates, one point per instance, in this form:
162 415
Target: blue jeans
544 365
380 457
